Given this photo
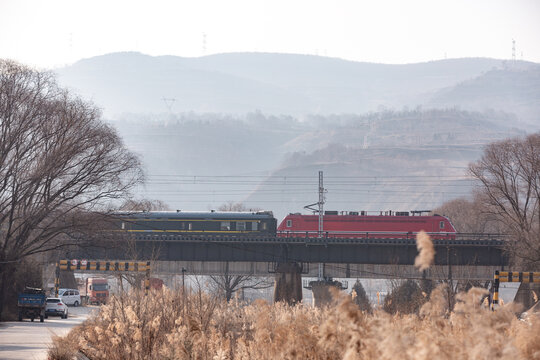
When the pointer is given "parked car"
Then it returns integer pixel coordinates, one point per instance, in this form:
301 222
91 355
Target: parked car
55 307
70 296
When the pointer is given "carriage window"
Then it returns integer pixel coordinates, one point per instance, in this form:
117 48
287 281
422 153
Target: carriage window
254 226
225 225
289 223
441 225
264 226
123 225
240 225
190 226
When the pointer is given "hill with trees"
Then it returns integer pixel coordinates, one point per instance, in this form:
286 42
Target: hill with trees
514 89
407 159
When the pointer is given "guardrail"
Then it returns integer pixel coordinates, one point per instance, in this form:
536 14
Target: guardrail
367 238
511 276
103 265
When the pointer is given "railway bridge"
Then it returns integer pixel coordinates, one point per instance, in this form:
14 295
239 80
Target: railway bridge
463 257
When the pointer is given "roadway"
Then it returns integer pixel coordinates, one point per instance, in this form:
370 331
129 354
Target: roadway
30 340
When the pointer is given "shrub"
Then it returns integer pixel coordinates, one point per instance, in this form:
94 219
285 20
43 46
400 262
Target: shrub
405 298
360 297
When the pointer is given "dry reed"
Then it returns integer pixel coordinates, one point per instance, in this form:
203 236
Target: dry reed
426 251
164 326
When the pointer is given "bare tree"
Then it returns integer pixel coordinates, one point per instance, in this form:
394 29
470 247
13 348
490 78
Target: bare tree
509 185
59 165
129 243
470 216
227 284
144 205
236 206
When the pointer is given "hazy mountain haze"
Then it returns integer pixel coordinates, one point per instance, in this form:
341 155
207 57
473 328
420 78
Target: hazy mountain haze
59 32
256 127
272 83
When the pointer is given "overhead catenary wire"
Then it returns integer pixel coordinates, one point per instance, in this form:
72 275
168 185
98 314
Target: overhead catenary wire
292 182
292 192
266 190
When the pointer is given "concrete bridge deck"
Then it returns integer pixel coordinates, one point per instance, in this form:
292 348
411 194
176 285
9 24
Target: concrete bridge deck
362 271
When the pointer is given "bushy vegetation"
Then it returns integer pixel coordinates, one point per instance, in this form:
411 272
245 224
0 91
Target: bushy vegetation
407 298
360 297
164 325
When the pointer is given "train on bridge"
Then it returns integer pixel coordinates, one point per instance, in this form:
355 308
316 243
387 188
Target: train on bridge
263 223
357 224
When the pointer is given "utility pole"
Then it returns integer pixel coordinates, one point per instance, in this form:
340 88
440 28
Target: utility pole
183 282
204 44
321 205
168 102
321 219
321 286
320 210
183 292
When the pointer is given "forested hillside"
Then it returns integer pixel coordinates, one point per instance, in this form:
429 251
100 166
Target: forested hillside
408 159
515 90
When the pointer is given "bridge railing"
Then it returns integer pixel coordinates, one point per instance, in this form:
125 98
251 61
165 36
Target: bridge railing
362 234
390 235
312 237
482 236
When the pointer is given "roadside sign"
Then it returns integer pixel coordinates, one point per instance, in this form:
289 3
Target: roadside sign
74 262
83 262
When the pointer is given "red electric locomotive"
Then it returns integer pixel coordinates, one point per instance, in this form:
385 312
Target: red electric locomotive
386 225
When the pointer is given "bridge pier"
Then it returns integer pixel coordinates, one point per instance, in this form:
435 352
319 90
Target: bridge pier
288 283
525 294
48 276
66 278
322 293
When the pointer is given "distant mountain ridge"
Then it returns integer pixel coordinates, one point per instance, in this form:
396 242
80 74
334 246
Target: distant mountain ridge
271 83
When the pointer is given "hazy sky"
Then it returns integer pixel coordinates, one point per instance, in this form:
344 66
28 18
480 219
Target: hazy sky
58 32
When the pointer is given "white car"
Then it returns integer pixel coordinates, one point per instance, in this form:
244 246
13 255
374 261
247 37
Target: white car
55 307
70 296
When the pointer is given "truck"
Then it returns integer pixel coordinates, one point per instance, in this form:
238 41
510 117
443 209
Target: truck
31 304
97 290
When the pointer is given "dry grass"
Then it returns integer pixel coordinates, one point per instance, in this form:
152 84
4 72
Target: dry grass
163 326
